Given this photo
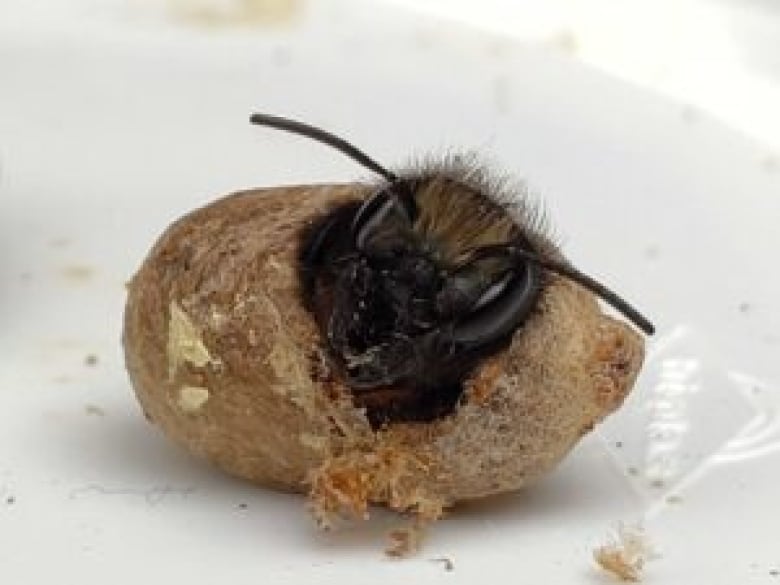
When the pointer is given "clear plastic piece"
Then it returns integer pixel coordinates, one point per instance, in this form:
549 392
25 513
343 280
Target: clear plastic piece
689 413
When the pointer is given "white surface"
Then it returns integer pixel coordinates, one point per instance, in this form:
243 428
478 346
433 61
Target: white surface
717 56
115 118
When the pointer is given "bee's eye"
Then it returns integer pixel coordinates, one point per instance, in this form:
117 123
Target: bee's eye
492 292
500 307
381 218
459 293
471 286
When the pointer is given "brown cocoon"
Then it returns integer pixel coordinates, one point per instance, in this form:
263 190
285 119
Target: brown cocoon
224 358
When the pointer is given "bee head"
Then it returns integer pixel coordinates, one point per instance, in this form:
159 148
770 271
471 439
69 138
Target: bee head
414 285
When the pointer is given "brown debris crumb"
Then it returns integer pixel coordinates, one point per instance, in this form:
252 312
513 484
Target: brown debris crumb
405 541
446 562
77 273
91 360
10 500
626 554
93 410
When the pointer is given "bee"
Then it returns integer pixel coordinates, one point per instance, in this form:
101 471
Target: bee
429 274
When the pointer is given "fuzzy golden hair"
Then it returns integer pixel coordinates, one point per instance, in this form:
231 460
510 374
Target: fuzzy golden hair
458 219
462 206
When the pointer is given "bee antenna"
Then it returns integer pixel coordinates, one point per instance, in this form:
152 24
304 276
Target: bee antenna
595 287
575 275
320 135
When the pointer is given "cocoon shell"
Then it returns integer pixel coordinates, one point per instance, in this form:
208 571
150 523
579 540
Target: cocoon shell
227 362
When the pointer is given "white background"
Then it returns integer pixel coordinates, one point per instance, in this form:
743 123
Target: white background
651 131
